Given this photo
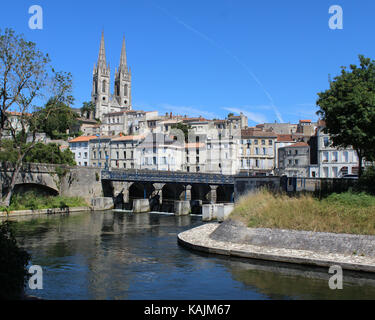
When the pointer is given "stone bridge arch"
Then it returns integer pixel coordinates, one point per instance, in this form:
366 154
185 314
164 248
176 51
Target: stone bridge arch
31 180
22 188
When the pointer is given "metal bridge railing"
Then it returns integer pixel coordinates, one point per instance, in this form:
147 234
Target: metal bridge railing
165 176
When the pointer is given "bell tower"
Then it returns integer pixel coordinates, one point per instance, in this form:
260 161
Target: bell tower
123 81
101 83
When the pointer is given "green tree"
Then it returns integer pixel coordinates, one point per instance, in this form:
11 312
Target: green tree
231 114
88 109
55 119
348 109
40 153
25 75
13 265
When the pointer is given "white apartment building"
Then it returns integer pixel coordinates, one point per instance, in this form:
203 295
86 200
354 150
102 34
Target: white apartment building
333 162
159 152
195 157
122 151
100 148
80 147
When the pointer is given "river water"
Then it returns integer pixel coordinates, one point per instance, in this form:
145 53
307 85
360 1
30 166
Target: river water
120 255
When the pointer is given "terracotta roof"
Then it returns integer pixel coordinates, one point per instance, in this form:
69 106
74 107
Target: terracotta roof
194 119
82 139
102 137
308 121
298 144
284 138
128 138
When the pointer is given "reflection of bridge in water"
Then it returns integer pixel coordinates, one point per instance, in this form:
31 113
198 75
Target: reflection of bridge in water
164 188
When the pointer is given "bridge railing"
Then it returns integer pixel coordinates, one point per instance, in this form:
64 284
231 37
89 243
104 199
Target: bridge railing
165 176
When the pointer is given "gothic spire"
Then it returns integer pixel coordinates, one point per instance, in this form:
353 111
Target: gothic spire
102 60
123 65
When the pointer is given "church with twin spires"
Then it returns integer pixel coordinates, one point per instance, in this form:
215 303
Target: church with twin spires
103 99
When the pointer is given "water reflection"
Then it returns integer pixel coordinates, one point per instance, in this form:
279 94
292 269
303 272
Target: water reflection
117 255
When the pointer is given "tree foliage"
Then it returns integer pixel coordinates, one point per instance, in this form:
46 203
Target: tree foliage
40 153
13 265
348 109
88 109
26 78
55 119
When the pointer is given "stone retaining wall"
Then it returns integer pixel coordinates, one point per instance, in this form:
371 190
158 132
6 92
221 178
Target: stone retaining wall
232 239
237 232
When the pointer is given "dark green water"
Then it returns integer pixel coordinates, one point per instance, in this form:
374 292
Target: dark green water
112 255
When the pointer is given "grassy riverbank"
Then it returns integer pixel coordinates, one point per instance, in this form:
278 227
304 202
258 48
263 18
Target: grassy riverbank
32 201
352 213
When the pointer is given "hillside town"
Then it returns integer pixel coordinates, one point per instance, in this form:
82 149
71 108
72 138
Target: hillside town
112 135
116 136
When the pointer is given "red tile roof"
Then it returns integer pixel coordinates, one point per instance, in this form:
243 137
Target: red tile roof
128 138
82 139
285 138
298 144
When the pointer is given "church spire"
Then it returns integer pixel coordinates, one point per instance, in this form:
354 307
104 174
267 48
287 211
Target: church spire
102 60
123 65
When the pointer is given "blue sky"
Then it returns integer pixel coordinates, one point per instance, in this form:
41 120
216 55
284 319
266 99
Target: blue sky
265 58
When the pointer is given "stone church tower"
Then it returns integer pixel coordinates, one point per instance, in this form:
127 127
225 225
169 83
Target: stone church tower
123 81
101 90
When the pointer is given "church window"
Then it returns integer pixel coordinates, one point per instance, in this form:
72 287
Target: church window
104 84
125 90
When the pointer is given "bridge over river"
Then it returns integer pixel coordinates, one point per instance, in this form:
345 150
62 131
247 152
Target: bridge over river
161 188
165 187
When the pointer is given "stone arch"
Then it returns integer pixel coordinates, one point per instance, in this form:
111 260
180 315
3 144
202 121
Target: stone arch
173 191
42 179
199 192
21 188
139 190
224 193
